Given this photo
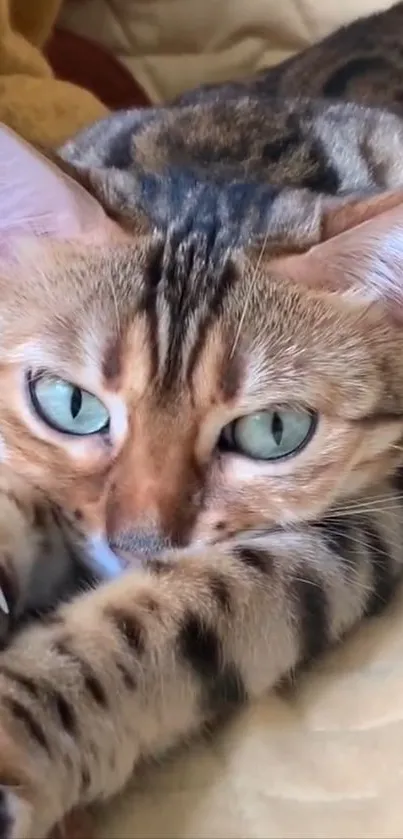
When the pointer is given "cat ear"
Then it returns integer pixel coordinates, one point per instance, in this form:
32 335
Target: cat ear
360 253
38 199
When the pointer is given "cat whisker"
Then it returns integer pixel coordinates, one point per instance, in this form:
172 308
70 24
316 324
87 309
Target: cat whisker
310 582
371 498
361 542
249 294
115 303
371 504
362 511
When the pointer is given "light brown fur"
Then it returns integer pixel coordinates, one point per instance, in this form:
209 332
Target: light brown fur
127 653
208 298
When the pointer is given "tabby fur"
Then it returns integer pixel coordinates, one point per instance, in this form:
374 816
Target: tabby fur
254 257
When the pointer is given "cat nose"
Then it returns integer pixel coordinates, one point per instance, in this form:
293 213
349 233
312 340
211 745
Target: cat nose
155 493
140 522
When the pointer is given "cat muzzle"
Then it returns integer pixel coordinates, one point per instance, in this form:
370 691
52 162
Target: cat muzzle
128 551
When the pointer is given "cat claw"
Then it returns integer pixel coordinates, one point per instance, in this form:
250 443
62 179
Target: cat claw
3 603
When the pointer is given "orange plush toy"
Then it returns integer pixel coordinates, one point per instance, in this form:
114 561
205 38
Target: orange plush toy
43 109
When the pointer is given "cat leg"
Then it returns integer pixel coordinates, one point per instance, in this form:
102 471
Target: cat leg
130 669
36 551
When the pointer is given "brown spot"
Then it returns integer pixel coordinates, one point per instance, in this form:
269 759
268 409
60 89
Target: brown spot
221 525
149 602
40 517
112 363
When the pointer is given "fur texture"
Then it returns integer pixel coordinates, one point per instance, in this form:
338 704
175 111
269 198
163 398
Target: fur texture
251 261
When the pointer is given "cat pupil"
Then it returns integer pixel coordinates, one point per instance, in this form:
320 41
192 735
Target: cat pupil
76 402
277 429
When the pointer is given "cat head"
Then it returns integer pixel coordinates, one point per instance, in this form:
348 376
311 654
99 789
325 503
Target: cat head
156 383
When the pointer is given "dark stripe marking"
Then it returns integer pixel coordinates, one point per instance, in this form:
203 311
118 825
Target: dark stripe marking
63 708
129 627
112 361
256 558
227 690
40 516
312 606
23 715
127 676
383 580
199 645
85 780
96 689
24 682
220 591
324 176
228 278
338 82
91 683
274 150
152 277
65 712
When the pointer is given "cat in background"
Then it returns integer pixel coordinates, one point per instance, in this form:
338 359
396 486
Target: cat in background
200 368
361 62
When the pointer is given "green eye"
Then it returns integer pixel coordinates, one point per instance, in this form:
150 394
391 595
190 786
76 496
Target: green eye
269 435
66 407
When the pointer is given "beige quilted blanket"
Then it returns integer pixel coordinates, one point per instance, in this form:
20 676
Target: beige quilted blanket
326 761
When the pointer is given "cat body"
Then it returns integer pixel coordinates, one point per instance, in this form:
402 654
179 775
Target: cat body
361 62
233 266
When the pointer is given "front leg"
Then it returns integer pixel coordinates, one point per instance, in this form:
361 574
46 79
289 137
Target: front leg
39 551
130 669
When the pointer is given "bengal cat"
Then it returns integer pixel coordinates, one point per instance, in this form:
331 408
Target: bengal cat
202 395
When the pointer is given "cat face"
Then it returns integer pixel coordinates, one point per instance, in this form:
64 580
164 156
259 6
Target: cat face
158 390
189 403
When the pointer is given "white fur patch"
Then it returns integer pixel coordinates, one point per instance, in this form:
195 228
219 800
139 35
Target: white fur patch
3 450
